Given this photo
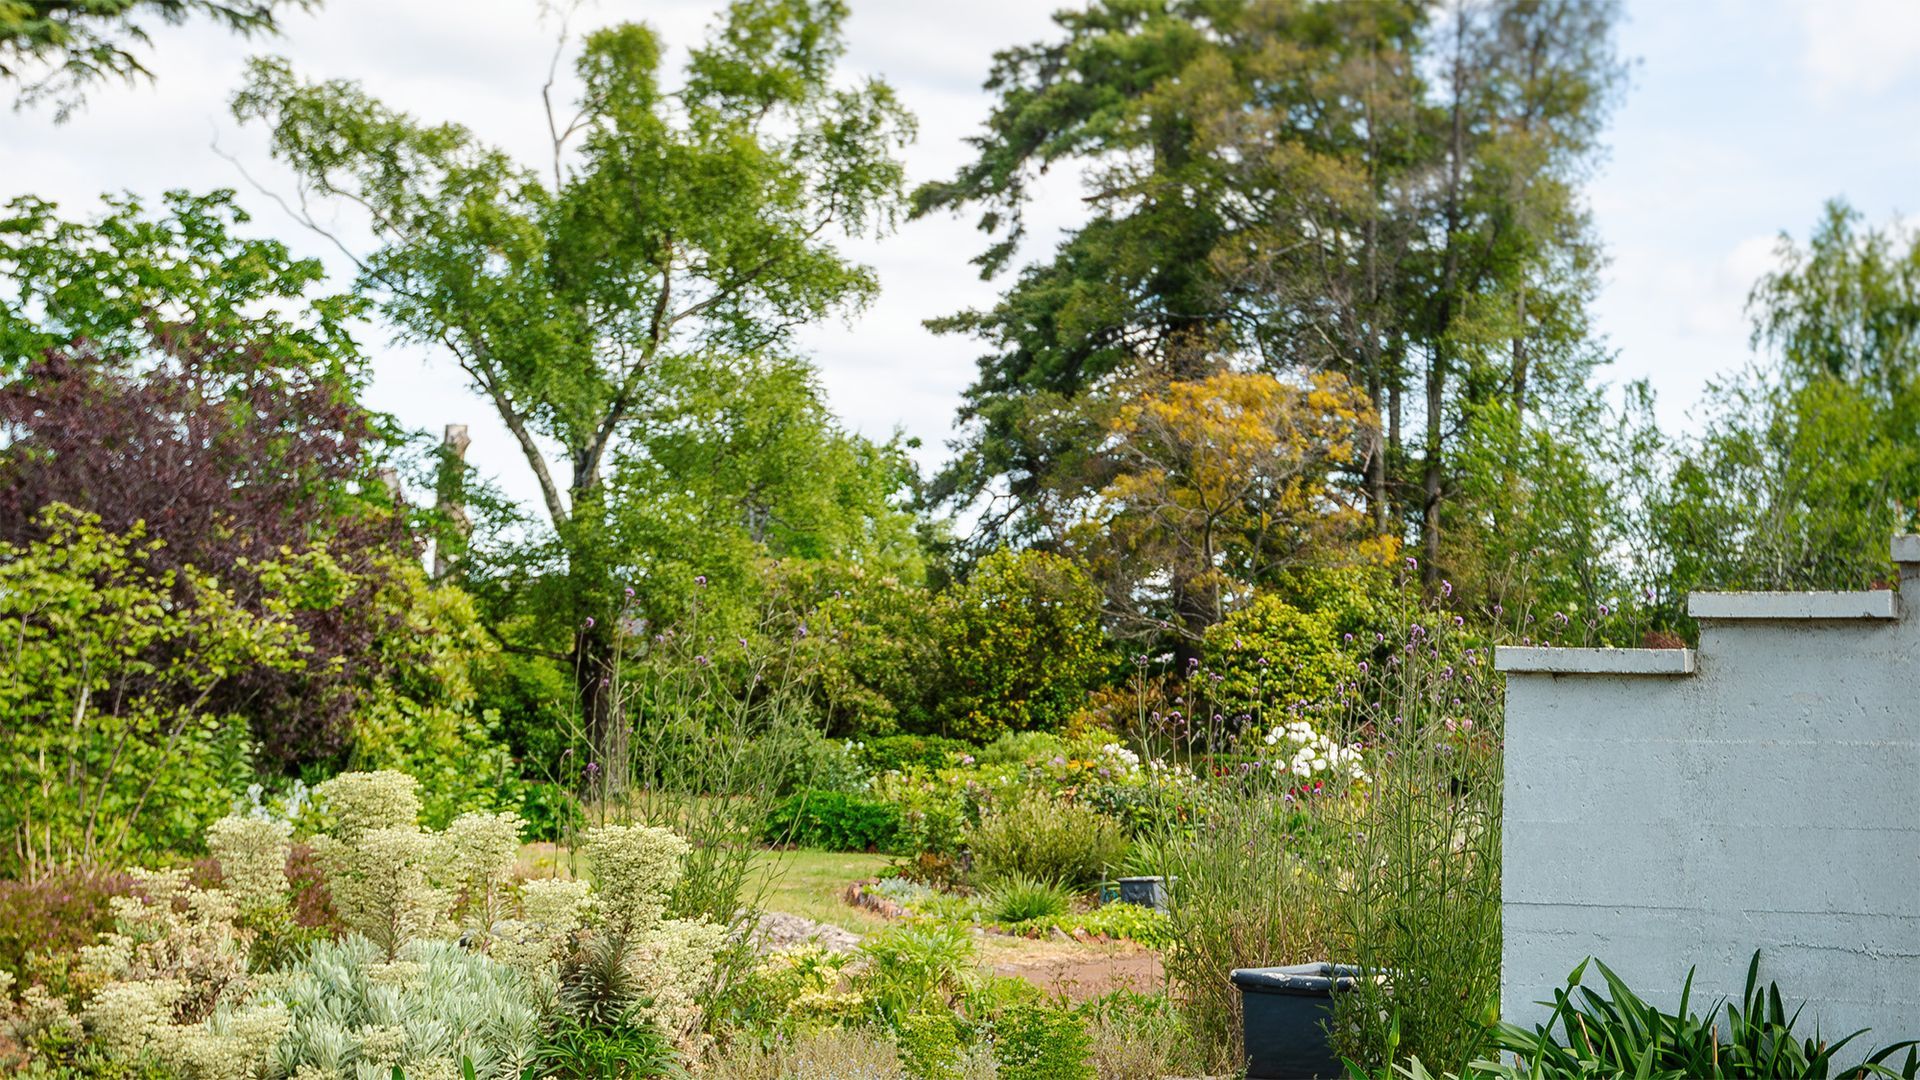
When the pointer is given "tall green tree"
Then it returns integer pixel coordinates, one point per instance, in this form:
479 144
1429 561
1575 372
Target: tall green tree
669 224
1526 91
1132 285
1320 120
1390 191
56 49
1811 458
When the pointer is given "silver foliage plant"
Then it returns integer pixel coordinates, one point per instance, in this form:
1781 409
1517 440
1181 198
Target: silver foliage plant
446 956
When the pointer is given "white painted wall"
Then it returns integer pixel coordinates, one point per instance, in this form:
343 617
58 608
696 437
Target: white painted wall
1664 812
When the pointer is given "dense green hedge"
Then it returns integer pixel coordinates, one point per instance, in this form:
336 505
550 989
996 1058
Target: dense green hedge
833 821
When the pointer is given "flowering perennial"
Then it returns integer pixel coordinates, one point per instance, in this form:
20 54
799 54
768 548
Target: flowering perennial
1307 753
173 987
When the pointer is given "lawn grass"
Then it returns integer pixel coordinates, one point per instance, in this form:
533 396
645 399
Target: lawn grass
799 882
811 883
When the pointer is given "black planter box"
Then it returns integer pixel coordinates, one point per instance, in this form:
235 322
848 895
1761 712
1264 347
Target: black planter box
1287 1018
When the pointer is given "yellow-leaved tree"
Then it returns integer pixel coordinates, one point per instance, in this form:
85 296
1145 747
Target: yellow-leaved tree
1215 486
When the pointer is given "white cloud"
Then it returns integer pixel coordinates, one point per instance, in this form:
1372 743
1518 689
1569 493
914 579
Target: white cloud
1854 46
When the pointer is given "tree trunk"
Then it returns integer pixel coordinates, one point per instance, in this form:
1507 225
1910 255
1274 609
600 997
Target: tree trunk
450 482
600 712
1520 359
1192 615
595 655
1377 453
1431 486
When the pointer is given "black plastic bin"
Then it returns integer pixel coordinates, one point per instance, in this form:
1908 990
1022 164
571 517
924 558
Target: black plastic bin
1144 891
1287 1017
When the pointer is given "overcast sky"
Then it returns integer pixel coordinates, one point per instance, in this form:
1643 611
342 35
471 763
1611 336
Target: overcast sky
1742 118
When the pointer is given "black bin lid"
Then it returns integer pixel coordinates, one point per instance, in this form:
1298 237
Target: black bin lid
1306 980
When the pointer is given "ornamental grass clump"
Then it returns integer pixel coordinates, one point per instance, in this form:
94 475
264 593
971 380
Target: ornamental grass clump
1048 839
1018 899
1418 887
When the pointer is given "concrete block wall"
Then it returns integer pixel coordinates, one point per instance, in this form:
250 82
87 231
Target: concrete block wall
1667 809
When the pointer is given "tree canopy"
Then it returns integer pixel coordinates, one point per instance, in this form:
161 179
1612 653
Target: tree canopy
57 48
669 226
1385 191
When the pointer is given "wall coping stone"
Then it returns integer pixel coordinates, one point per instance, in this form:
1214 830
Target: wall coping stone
1879 604
1545 660
1906 548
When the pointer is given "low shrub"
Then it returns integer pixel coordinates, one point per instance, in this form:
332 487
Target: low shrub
1042 1042
833 821
931 1045
1047 839
44 923
933 813
1136 1035
1018 747
787 993
1020 645
1019 899
915 966
1276 651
